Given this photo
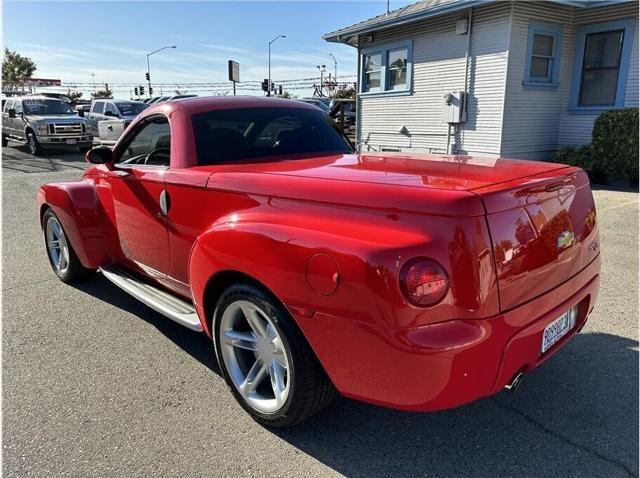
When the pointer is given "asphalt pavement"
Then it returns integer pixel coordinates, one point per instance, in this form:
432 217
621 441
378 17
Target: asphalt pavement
97 384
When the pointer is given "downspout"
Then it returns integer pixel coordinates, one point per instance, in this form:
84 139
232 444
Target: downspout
466 76
358 141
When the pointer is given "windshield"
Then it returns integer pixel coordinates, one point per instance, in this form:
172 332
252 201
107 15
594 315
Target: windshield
131 109
256 134
47 106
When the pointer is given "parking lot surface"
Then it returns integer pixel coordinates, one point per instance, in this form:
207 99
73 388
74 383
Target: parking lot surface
97 384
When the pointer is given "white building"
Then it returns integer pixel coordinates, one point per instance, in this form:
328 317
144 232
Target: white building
536 74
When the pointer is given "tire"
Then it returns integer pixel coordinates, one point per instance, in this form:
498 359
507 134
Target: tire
63 259
33 145
5 141
282 359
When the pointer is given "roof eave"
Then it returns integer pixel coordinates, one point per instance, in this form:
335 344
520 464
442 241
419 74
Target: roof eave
339 36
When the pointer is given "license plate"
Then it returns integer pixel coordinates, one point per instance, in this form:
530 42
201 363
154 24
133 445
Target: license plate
558 328
71 141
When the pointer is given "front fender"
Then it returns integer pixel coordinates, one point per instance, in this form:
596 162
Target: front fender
78 209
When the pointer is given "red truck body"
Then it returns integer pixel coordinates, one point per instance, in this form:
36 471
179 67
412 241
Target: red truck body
328 236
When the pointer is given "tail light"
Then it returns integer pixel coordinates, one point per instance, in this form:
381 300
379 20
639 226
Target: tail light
423 281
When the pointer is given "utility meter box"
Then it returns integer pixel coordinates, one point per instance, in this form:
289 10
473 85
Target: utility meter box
454 109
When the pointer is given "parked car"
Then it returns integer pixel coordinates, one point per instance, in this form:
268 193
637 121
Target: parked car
178 97
59 96
158 99
124 110
317 103
414 282
43 123
83 110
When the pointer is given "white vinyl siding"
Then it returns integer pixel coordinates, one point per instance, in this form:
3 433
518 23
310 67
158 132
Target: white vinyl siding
532 113
537 120
575 129
438 55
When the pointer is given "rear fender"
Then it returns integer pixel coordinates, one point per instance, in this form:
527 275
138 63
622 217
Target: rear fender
78 209
277 251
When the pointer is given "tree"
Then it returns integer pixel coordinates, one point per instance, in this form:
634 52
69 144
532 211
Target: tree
16 69
106 93
75 95
345 92
286 95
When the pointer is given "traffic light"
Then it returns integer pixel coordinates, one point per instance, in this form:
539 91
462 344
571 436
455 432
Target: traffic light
150 91
279 90
137 92
265 85
146 76
142 90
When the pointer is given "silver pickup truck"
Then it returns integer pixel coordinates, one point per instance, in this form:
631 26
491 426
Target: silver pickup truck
43 123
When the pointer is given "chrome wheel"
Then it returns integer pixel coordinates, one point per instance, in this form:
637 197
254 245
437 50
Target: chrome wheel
254 356
57 245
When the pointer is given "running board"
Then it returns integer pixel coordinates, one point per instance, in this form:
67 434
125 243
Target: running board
167 304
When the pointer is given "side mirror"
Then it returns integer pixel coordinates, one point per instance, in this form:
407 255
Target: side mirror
80 113
12 113
100 155
109 113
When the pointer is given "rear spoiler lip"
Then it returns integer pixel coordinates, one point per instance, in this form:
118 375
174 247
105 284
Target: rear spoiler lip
515 193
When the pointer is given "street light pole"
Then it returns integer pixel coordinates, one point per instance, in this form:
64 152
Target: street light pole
149 69
335 65
269 78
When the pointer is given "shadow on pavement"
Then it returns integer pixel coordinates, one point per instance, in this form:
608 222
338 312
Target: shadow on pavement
14 159
577 414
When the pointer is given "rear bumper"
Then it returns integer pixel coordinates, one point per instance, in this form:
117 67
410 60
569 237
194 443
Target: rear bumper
447 364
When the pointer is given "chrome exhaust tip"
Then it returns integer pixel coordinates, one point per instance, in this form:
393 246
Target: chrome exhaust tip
515 382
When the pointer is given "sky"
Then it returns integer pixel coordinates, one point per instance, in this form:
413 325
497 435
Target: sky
72 41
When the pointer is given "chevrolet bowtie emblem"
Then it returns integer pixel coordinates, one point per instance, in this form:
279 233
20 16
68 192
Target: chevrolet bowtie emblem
565 240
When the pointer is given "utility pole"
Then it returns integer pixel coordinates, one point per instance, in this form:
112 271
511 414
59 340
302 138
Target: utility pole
148 75
322 69
269 79
335 66
93 76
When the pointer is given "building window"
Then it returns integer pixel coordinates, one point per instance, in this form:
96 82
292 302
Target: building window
386 69
543 54
397 68
601 66
372 71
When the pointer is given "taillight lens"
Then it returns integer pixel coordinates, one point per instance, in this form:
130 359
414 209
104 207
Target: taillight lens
423 281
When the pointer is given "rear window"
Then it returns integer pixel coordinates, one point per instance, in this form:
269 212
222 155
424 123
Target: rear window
257 134
98 107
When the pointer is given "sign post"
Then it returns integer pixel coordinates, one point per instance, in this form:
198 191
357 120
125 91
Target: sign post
234 74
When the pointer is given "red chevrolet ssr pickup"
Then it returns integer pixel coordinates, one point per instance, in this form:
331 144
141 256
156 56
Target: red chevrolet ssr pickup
418 282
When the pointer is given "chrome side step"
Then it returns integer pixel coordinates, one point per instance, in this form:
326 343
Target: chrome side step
163 302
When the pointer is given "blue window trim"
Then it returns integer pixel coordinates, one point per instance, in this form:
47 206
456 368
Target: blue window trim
384 50
628 25
552 29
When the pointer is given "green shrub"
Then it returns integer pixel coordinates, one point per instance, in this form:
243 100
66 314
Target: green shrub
581 157
613 152
615 144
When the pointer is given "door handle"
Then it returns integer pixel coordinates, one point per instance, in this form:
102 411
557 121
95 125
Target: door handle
165 202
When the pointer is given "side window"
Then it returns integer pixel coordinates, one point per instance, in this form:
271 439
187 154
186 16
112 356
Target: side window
8 105
98 107
110 108
542 66
150 145
17 105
